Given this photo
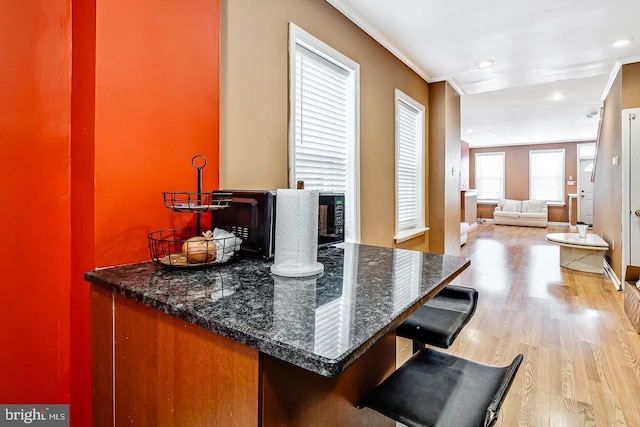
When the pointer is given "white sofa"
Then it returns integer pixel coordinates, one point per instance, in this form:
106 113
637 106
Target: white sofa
532 213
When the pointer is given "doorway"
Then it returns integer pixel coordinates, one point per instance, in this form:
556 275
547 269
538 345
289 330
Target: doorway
585 205
586 154
631 188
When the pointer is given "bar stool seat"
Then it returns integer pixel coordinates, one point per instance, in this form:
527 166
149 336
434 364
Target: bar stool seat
440 320
438 389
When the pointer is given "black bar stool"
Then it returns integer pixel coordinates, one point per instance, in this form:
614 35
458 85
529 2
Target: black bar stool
440 320
437 389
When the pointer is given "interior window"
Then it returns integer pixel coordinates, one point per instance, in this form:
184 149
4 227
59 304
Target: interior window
490 176
410 130
546 175
323 124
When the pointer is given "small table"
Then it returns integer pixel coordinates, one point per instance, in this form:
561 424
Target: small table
580 253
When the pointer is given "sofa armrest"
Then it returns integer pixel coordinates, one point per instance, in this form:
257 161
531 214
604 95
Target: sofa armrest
497 209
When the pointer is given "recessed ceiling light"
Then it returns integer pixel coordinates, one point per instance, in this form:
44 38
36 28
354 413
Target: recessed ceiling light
484 63
557 97
469 130
622 42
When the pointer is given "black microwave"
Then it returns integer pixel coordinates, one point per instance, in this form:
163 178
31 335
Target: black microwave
251 216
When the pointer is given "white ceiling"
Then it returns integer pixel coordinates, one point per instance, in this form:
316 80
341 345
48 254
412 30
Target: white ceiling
540 48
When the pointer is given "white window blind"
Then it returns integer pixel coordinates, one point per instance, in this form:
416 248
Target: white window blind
321 122
323 133
546 175
409 166
490 176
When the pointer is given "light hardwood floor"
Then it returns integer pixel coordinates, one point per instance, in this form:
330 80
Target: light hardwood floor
581 354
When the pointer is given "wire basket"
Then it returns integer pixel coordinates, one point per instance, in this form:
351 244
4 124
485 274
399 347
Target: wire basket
176 247
195 201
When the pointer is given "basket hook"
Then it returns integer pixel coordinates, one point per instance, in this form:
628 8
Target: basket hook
199 161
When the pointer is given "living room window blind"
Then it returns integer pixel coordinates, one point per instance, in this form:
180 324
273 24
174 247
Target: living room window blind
546 175
323 134
490 176
409 167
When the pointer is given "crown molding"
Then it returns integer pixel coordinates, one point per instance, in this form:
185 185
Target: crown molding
612 77
629 60
615 69
365 26
448 79
515 144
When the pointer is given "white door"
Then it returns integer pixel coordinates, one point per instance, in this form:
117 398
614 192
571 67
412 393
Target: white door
585 207
634 189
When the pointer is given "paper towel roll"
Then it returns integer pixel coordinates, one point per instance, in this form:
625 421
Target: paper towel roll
296 243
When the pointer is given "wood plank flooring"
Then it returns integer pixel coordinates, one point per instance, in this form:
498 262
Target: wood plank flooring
582 355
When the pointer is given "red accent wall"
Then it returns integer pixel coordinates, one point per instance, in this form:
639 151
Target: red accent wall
157 100
92 133
82 200
35 118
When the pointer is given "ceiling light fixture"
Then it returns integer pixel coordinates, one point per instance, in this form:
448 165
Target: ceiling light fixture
486 63
557 97
622 42
469 130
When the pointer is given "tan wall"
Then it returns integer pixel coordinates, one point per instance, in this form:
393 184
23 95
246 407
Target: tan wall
631 86
607 186
464 165
517 175
254 102
464 183
444 154
607 221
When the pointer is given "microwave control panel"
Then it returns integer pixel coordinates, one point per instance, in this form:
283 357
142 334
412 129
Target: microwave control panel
339 217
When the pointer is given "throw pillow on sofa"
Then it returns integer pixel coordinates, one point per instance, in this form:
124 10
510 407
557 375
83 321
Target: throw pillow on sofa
533 206
511 205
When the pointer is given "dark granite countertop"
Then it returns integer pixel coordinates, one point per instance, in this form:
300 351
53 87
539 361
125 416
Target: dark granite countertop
322 324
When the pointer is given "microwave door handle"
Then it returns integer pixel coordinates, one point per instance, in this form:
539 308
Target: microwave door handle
254 214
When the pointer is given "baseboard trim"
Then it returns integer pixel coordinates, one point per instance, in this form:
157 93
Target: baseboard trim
490 221
473 225
612 275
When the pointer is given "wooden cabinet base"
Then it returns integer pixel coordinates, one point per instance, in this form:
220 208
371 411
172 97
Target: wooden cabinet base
102 356
167 372
152 369
293 396
632 304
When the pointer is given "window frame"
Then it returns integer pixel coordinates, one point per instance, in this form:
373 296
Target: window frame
561 201
581 148
298 36
504 160
403 233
